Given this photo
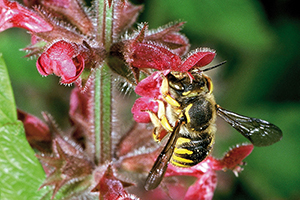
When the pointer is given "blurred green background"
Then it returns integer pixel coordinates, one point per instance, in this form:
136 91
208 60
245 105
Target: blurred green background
260 41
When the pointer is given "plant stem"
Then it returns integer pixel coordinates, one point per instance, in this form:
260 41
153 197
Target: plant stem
103 88
103 109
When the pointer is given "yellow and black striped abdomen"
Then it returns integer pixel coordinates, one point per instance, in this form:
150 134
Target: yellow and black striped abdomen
191 151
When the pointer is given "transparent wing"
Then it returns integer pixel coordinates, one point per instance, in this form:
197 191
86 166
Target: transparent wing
160 166
259 132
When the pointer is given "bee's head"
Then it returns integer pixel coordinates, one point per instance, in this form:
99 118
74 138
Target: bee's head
182 86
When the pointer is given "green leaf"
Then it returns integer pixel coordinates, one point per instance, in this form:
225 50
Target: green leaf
8 112
20 171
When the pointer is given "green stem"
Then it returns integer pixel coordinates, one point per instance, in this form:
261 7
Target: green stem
103 109
103 88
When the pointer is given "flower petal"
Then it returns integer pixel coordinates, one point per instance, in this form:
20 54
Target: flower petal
140 106
154 56
150 86
198 58
71 69
203 188
62 59
205 184
13 14
233 158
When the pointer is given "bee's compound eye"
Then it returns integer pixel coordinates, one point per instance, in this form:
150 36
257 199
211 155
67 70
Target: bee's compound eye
176 86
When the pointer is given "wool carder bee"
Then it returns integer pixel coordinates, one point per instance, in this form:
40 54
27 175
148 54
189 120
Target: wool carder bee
188 112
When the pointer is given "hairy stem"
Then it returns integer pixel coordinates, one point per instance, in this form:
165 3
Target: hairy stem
103 88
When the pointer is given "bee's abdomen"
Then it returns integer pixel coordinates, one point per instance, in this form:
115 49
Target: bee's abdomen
191 151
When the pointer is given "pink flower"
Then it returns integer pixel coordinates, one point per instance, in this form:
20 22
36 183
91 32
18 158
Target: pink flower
155 52
13 14
140 106
63 59
148 88
148 55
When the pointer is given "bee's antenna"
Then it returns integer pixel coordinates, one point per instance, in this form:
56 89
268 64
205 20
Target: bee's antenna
215 66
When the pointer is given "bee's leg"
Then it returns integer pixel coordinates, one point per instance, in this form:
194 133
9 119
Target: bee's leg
160 122
162 116
164 90
159 131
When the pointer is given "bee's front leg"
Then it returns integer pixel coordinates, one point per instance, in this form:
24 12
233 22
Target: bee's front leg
160 122
164 90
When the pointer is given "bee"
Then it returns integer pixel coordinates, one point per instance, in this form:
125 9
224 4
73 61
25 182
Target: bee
188 112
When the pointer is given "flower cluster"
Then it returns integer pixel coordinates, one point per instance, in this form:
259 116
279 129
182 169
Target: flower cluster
67 41
65 48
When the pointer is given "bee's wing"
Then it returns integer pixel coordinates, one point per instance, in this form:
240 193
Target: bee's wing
258 131
160 166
